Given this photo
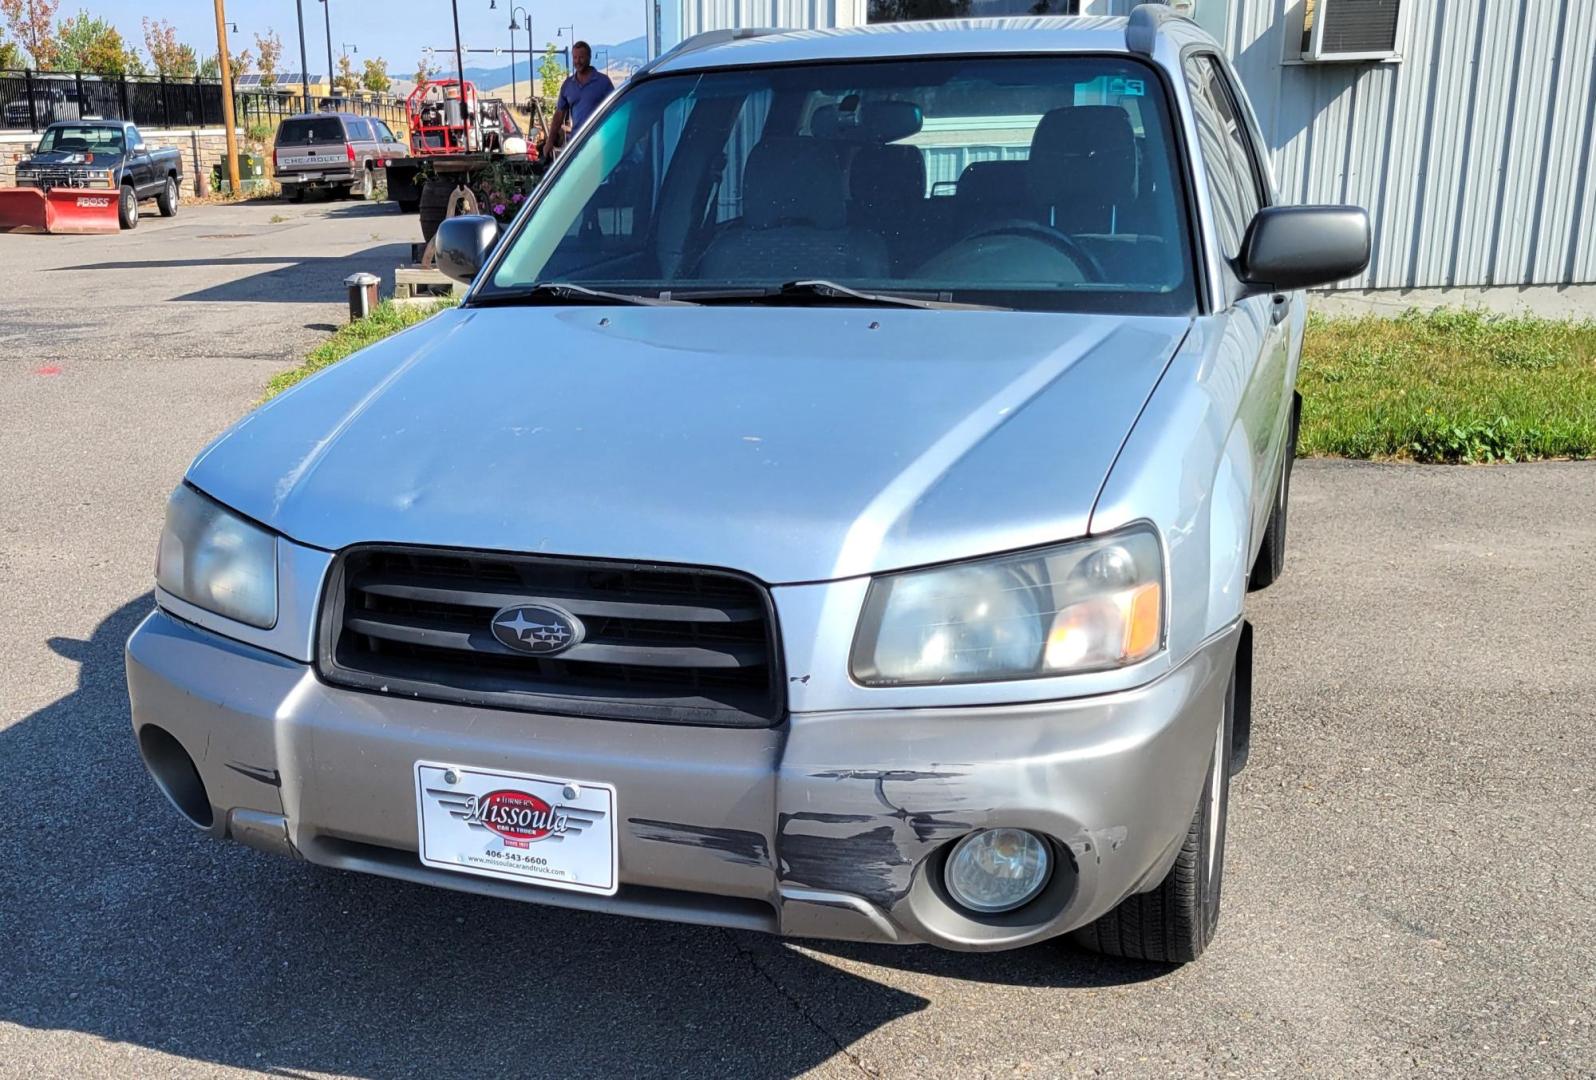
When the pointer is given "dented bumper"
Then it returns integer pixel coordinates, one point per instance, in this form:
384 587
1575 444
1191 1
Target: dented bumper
831 825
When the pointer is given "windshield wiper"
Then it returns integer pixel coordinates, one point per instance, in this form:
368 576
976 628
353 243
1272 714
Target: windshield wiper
564 292
820 289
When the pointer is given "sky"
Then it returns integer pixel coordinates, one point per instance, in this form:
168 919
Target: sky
395 30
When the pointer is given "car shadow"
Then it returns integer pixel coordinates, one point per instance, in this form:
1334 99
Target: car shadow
289 279
123 923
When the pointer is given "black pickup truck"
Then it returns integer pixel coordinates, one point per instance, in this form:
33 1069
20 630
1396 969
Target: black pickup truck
105 154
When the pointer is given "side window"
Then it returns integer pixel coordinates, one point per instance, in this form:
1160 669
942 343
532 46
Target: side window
133 138
1227 156
384 132
360 130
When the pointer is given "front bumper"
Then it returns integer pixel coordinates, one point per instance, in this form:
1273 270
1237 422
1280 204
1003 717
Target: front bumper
831 825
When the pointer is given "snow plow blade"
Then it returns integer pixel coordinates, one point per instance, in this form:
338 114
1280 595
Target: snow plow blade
61 210
81 210
22 210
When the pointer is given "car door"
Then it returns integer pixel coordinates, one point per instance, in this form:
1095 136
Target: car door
390 145
1256 327
138 167
362 138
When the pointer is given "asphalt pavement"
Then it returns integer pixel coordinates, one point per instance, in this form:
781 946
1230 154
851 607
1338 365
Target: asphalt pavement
1410 886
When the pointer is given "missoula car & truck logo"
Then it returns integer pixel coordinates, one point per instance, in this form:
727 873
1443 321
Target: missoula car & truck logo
518 817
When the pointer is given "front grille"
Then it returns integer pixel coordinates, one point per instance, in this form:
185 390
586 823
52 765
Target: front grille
664 644
72 178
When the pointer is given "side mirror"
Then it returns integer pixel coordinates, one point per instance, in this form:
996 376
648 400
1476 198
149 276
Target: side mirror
464 243
1301 247
138 148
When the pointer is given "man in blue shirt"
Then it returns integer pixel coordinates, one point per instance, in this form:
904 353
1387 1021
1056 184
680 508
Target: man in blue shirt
583 91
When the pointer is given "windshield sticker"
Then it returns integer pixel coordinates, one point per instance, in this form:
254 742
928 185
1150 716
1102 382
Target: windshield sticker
1122 87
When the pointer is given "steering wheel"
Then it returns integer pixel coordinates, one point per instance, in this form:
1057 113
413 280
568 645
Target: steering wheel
1064 244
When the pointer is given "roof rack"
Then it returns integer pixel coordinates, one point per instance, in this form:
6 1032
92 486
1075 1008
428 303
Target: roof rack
719 37
1141 32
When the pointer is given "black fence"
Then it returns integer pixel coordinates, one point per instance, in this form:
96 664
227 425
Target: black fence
257 106
32 100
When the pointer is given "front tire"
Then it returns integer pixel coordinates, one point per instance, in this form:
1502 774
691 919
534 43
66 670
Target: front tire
127 210
1174 923
167 200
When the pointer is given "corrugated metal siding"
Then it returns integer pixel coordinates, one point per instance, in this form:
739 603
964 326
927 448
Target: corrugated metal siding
1473 154
681 19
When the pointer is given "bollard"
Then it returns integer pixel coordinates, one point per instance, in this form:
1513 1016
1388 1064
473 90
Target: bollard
362 294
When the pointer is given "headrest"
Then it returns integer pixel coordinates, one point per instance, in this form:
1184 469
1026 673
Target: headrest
883 174
1083 153
794 180
867 121
992 182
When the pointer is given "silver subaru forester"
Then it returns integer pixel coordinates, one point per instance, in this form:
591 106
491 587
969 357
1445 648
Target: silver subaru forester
830 511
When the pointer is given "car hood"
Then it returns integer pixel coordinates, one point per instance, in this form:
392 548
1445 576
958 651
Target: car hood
73 157
795 444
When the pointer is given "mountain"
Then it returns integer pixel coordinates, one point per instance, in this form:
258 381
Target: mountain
625 56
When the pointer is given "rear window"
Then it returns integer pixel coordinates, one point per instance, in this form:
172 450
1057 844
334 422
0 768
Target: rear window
304 131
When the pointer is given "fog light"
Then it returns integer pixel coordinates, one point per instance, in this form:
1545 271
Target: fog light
997 869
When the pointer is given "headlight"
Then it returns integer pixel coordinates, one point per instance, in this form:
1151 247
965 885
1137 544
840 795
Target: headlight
1091 605
216 560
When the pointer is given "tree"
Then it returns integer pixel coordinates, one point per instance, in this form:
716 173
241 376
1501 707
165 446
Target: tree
425 69
30 22
170 57
89 43
238 64
550 73
346 80
10 55
271 51
375 76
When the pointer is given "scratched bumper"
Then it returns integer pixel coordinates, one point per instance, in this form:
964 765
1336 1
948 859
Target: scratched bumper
833 825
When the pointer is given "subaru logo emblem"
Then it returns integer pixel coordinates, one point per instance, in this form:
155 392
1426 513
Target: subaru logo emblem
537 629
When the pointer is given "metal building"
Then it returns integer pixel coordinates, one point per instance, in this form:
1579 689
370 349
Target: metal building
1467 127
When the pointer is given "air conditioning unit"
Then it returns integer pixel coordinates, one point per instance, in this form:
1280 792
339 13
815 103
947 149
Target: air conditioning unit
1350 30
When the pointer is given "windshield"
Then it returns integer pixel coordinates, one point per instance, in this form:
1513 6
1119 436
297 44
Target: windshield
304 132
82 139
1034 183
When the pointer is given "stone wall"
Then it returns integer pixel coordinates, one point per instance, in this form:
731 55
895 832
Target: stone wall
201 148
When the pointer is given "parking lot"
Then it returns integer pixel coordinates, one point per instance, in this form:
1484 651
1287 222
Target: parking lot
1410 887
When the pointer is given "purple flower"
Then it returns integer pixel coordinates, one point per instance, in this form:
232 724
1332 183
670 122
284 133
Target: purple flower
498 209
517 197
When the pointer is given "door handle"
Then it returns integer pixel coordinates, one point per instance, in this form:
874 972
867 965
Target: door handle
1280 309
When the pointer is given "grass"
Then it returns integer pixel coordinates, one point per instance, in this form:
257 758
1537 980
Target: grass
1449 386
1442 386
385 319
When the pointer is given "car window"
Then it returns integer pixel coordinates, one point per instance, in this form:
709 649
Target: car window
307 130
384 132
81 138
133 138
1045 183
1233 181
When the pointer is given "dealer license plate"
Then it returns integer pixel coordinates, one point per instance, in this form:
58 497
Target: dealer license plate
515 826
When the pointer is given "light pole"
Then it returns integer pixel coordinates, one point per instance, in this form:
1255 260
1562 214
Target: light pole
559 30
304 65
344 49
531 73
224 65
326 11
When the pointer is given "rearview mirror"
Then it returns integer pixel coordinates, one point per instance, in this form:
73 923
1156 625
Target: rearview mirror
1303 247
464 243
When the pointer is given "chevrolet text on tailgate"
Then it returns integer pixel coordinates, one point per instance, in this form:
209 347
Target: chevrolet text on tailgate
831 510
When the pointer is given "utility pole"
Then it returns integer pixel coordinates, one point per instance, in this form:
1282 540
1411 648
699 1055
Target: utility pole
225 63
459 67
304 65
